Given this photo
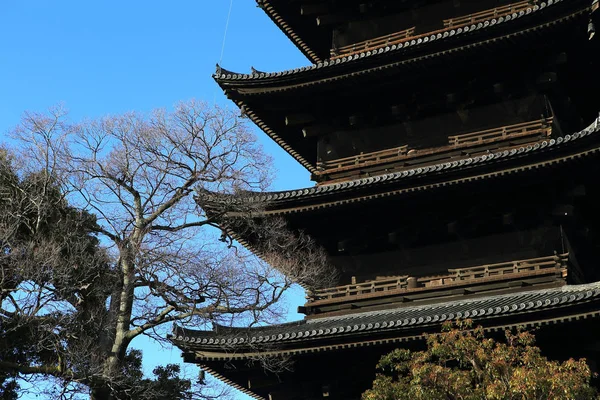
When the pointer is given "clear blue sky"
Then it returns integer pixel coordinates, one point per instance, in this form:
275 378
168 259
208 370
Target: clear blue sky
108 57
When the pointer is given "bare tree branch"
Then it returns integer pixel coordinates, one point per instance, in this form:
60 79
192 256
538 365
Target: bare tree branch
131 180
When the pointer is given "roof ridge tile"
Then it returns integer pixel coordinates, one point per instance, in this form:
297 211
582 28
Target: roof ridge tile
385 320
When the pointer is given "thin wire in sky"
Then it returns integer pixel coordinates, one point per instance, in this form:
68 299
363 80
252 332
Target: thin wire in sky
225 33
223 45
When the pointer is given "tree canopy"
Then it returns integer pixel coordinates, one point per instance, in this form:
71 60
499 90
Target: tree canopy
103 240
461 363
55 281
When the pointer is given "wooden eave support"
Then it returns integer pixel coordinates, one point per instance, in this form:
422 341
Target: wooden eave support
546 79
331 19
261 381
314 9
315 130
298 119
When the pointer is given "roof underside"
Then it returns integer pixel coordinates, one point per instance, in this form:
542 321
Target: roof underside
310 40
530 156
535 19
267 98
309 23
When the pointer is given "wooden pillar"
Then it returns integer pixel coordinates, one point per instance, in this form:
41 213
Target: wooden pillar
411 282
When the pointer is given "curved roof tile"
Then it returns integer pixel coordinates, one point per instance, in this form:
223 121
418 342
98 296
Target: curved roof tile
593 128
397 319
228 75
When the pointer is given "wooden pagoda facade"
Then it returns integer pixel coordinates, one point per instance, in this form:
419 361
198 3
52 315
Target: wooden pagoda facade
455 146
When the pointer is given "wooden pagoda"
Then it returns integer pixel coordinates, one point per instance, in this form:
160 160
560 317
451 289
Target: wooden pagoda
455 146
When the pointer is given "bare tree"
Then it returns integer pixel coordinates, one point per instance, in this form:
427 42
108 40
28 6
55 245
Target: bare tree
158 262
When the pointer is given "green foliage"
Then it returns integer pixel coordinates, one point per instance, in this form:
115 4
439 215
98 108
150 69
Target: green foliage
9 388
166 383
54 276
461 363
55 280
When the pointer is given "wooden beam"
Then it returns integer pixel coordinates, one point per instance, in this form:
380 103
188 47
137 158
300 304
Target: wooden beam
331 19
563 211
262 381
284 395
560 58
398 110
313 9
499 88
393 237
508 219
315 130
297 119
354 120
452 227
578 191
547 79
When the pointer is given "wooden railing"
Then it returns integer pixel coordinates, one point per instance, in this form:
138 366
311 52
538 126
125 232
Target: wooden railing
408 34
499 269
397 282
454 276
487 14
534 128
376 156
379 41
541 127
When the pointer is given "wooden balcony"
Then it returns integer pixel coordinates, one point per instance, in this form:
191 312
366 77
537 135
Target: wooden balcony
489 273
541 127
409 34
381 41
370 158
394 158
487 14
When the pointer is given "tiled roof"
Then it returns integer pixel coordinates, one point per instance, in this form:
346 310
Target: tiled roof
224 75
528 149
288 30
393 321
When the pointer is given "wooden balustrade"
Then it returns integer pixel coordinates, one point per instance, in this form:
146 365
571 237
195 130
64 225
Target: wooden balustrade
409 34
487 14
376 156
379 41
499 269
509 269
542 127
396 282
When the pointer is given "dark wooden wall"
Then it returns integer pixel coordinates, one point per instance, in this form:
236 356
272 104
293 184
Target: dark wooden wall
424 16
432 130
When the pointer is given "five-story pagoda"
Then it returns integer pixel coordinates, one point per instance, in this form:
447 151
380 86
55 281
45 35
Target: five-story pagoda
455 145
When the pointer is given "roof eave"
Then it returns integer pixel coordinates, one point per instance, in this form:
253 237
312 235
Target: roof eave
564 304
272 13
253 116
289 201
268 79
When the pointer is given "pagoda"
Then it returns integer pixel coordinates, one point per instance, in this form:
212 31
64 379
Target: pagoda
455 146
